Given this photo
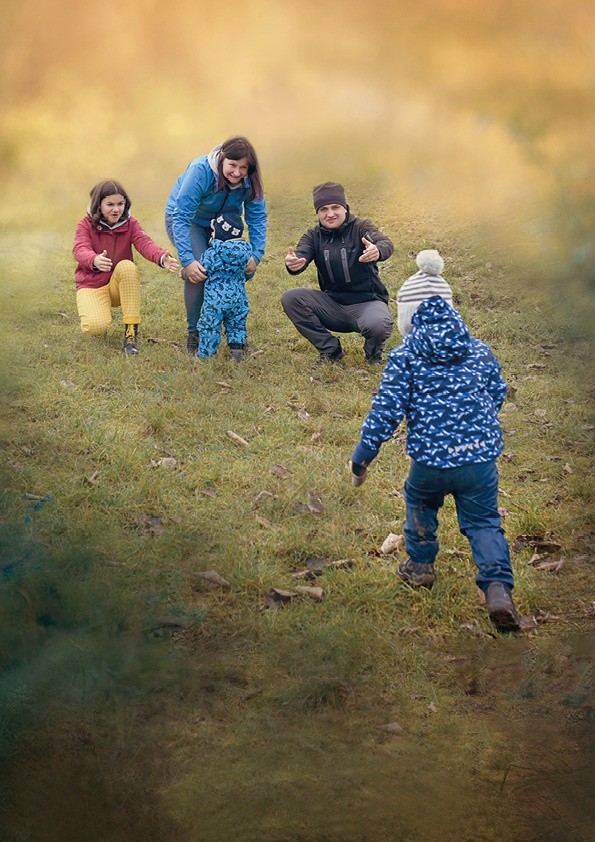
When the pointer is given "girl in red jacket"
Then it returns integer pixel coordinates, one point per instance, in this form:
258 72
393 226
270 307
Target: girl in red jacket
105 275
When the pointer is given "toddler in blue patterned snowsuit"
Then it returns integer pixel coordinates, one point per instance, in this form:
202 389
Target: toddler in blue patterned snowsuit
225 302
448 386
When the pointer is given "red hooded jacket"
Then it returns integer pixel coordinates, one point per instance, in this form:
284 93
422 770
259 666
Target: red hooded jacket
92 238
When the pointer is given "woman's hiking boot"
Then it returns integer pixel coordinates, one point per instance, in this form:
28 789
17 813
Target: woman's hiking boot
501 608
192 342
416 575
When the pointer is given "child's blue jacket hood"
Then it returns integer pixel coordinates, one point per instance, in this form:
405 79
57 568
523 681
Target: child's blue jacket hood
448 386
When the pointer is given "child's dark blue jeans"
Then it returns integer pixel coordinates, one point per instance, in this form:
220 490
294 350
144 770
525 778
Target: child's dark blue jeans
475 490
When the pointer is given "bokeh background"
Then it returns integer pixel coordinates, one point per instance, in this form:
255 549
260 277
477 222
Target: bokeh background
483 110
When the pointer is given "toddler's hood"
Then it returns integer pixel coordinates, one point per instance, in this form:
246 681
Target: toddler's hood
438 333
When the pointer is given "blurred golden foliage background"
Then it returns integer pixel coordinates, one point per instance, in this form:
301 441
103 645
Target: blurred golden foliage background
485 110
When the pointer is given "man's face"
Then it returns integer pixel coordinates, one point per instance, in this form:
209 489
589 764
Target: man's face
331 216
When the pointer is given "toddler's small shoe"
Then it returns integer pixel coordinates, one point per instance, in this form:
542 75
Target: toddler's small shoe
416 575
501 608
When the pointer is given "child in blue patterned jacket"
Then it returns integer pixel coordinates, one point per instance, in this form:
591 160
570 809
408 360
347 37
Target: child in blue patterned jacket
448 386
225 301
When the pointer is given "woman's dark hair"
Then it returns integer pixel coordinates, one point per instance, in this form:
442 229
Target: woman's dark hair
235 148
106 188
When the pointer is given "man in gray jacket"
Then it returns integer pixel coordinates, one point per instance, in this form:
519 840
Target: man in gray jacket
352 298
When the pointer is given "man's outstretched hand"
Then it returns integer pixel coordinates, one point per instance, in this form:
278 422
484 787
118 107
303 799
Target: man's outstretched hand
293 262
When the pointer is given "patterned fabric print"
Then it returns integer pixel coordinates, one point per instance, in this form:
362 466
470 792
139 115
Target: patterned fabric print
95 305
226 301
449 387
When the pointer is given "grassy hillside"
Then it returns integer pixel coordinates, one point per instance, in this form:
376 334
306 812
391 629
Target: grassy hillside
141 701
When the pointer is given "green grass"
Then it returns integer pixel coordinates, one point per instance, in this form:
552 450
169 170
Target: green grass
259 724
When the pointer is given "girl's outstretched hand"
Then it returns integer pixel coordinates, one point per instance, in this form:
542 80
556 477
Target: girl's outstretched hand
293 262
102 262
170 263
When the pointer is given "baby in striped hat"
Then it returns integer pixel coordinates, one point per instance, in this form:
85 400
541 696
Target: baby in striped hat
425 283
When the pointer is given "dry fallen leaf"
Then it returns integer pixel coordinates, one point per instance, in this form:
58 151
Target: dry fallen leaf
551 566
527 623
539 542
315 504
208 492
68 384
264 522
213 577
224 384
276 598
93 479
149 524
568 469
236 439
304 416
391 728
391 543
263 497
280 471
166 462
316 437
316 566
312 593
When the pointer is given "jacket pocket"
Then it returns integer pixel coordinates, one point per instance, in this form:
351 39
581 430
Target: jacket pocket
327 263
345 265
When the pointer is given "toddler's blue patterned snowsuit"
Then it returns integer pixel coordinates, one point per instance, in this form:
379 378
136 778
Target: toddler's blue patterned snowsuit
226 301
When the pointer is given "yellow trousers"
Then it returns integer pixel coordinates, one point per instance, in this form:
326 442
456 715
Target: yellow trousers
95 305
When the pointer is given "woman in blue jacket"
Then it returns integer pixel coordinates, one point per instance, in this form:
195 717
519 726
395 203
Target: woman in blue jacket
227 180
448 386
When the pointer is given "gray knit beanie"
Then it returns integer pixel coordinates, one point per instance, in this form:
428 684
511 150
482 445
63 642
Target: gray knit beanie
328 193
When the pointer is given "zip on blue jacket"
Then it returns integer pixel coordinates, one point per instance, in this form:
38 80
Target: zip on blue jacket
448 386
195 198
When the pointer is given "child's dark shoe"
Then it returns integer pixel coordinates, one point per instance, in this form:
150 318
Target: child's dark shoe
416 575
501 608
130 345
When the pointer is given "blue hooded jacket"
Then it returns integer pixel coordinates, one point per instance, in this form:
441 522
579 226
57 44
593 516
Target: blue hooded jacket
225 263
194 198
449 387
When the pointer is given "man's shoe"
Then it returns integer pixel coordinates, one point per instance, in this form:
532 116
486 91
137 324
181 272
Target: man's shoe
416 575
192 342
374 359
501 609
334 357
130 345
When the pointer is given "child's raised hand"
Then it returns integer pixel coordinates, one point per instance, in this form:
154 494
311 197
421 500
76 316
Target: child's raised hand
102 262
293 262
370 253
170 263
